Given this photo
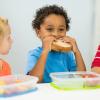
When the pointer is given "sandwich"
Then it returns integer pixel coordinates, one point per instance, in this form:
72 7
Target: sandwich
59 45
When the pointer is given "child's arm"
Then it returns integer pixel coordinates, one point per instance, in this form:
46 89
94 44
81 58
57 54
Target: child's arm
38 69
79 59
96 69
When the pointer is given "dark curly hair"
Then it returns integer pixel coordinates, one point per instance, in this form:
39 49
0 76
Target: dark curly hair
43 12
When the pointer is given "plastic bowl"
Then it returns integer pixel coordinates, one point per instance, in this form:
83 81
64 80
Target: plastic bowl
75 80
17 84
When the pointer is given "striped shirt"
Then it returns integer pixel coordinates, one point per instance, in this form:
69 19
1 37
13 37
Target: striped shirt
96 60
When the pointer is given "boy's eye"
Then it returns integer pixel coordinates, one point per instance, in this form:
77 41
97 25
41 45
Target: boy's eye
50 29
61 29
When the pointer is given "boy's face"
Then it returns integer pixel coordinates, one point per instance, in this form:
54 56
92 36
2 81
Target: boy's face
53 25
6 42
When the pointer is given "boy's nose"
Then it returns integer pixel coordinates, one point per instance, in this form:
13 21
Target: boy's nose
55 34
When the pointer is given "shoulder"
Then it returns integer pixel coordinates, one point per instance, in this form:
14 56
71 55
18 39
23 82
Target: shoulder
35 52
99 47
4 64
98 52
5 69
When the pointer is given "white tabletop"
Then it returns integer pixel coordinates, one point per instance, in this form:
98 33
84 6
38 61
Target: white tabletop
46 92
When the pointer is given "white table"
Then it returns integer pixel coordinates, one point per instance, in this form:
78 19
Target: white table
46 92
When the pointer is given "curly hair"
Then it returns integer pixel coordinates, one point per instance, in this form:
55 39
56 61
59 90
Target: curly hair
43 12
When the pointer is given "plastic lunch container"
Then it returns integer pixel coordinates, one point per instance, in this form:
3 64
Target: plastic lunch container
17 84
75 80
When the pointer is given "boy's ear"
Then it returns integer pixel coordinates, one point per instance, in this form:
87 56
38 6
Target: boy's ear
38 34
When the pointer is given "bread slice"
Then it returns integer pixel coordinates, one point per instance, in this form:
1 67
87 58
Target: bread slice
58 45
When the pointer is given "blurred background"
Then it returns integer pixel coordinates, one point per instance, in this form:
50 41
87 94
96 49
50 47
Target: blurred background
85 27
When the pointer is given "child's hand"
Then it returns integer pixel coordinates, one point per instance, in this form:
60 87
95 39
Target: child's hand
71 41
47 41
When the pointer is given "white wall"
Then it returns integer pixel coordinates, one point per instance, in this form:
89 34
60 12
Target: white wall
20 14
96 34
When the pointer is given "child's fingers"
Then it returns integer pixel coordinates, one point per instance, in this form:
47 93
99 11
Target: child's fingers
69 39
48 37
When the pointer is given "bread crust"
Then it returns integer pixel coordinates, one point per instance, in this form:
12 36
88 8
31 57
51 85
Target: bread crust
56 46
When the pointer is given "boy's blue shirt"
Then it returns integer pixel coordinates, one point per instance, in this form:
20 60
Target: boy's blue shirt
56 62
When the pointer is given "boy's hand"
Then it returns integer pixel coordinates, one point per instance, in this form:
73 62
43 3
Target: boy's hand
47 41
71 41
